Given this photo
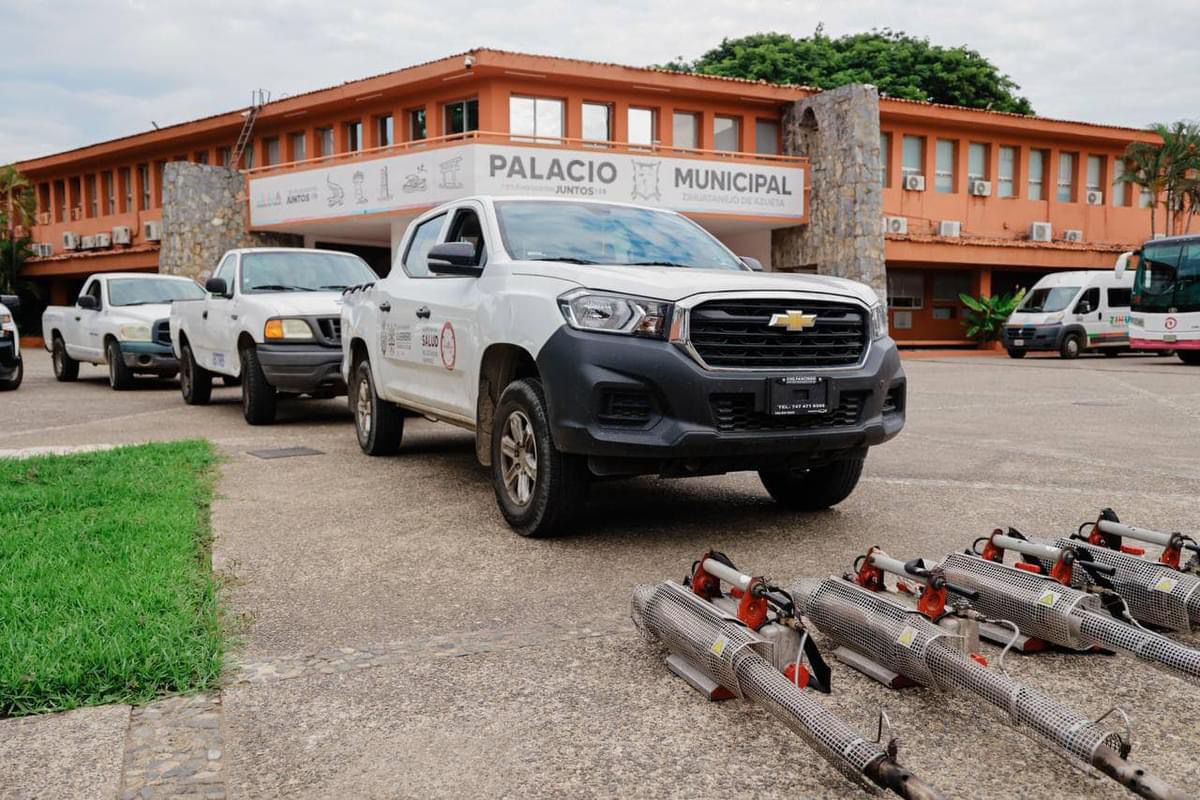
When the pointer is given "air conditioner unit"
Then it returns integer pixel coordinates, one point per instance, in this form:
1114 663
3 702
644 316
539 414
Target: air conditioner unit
122 235
103 240
87 243
70 240
77 213
1158 236
152 231
895 224
43 218
1072 235
981 188
1041 232
1095 197
914 183
949 227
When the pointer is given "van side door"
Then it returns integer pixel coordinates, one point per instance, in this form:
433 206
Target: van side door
1088 314
1116 315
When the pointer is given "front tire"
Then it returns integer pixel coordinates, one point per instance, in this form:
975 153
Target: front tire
1189 357
815 488
1015 353
258 397
119 376
195 382
66 369
538 488
13 382
1072 346
378 424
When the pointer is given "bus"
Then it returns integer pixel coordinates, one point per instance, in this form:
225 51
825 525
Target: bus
1165 308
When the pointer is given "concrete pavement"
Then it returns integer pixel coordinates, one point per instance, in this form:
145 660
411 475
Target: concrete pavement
398 640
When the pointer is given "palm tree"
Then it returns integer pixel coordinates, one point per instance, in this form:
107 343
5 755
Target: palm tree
18 203
1169 172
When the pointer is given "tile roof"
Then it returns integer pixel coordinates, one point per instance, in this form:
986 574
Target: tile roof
995 241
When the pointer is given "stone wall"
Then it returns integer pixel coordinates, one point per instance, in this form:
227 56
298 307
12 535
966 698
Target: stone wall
838 131
204 214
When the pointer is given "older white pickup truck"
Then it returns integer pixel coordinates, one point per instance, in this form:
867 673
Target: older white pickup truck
12 367
119 319
271 320
580 339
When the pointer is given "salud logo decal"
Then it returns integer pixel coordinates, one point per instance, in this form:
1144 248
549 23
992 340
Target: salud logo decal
793 320
1171 323
448 345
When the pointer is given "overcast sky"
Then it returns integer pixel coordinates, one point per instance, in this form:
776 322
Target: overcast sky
73 72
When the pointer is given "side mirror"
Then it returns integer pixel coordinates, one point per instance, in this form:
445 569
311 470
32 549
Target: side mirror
217 286
454 258
752 263
11 300
1123 262
87 302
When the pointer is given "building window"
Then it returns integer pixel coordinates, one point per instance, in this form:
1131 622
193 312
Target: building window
1120 187
225 157
110 193
1037 174
535 117
126 189
905 289
324 142
643 126
685 130
201 156
1006 172
354 136
766 137
416 124
160 169
299 147
1095 177
727 134
597 122
947 286
144 182
248 155
271 152
93 196
1145 199
914 156
385 131
60 192
885 155
944 171
462 116
977 161
1066 178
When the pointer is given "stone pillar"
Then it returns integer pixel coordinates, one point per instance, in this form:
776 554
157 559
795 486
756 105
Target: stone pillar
838 131
204 214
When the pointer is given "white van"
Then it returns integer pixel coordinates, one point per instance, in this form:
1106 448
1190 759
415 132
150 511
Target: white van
1072 312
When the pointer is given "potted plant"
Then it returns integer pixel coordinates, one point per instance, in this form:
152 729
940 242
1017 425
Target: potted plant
987 314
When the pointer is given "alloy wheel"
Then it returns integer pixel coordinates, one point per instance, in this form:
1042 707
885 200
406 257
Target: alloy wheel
519 458
362 407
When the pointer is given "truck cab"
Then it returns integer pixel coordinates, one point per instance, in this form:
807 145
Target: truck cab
583 339
1071 313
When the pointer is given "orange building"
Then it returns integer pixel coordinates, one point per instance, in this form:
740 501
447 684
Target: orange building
964 192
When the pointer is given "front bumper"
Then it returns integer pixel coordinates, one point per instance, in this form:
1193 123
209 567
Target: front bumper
1033 337
644 406
149 357
302 368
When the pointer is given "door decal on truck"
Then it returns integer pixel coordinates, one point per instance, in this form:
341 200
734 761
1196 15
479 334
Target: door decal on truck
395 341
449 346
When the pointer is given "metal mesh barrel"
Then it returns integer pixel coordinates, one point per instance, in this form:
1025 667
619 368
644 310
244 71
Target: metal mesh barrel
733 656
905 642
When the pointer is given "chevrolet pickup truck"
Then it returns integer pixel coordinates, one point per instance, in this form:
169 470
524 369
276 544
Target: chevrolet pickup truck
269 319
581 339
12 368
119 319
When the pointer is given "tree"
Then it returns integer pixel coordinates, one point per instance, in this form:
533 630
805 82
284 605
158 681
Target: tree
1169 171
898 64
13 255
18 205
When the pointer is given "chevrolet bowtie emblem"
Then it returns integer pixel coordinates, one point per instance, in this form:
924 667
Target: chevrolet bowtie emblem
793 320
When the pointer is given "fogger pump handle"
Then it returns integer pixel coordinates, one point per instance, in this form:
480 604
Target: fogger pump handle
1159 538
893 565
1046 552
726 573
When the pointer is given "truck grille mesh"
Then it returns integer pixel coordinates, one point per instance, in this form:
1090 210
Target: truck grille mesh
737 412
161 333
331 329
737 334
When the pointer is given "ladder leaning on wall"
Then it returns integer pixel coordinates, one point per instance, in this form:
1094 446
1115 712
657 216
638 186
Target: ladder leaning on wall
258 99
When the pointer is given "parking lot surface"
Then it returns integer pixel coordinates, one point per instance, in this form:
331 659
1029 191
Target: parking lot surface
398 640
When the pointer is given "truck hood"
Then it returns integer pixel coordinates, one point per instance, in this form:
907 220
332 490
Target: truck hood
299 304
675 283
1034 318
148 314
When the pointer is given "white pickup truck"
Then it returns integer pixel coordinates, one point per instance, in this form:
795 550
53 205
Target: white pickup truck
270 318
119 319
12 367
581 339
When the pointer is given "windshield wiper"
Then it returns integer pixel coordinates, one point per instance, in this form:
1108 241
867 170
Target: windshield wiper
334 286
279 287
653 264
565 259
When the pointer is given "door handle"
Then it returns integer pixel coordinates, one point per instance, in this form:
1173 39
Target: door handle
385 306
204 315
423 312
233 316
78 318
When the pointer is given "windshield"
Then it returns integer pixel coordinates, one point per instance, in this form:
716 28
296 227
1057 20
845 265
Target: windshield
302 271
1168 278
144 291
1049 299
596 233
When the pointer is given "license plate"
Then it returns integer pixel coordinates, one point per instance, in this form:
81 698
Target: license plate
1018 342
796 395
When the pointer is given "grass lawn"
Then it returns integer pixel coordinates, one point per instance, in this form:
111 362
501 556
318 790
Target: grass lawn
106 586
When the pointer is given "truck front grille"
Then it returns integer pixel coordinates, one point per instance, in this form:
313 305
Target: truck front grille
161 332
331 329
736 334
737 412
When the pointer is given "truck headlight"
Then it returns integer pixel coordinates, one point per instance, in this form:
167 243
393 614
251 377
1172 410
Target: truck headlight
290 329
6 322
879 323
586 310
134 332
